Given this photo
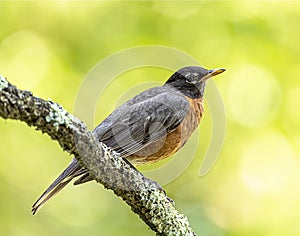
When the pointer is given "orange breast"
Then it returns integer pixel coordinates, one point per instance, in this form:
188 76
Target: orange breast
173 141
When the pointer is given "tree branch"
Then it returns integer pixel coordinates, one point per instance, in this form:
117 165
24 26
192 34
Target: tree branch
144 196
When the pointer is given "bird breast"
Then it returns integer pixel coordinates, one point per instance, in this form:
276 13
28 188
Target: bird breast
174 140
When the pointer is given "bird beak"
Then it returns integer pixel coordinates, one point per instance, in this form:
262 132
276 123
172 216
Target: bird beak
212 73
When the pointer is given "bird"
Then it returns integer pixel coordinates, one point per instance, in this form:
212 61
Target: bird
148 128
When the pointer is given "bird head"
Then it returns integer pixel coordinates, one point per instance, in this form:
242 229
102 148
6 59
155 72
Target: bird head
191 80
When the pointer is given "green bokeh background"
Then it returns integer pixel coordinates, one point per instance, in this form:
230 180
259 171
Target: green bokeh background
254 188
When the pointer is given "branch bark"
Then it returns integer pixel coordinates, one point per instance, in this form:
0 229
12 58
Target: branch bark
144 196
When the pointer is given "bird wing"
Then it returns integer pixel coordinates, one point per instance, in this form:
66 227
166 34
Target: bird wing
135 125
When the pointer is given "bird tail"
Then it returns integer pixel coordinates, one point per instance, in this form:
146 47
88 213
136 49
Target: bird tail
73 170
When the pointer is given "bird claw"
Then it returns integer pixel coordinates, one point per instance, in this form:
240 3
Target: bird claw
163 191
171 201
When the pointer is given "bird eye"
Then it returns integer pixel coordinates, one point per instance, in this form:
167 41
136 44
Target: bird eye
191 78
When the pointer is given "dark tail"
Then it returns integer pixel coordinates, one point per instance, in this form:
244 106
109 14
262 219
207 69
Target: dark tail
72 171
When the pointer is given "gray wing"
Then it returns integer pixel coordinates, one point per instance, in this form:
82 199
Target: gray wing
134 126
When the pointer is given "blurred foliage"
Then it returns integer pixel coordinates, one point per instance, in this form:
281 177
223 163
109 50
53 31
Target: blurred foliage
254 189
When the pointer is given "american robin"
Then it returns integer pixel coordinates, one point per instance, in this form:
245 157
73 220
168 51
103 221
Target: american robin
149 127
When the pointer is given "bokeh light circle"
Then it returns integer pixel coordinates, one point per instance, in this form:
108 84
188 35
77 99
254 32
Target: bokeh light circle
254 96
267 164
